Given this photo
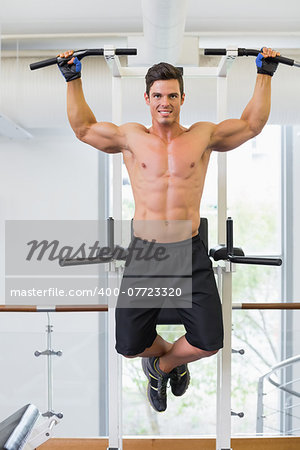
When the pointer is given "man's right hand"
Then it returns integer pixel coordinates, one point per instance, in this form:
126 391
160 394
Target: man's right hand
70 68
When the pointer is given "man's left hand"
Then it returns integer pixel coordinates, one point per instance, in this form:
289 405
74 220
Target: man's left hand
265 61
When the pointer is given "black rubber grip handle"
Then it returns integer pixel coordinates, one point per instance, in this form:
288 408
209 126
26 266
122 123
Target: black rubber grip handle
126 51
81 54
259 261
247 52
251 52
215 51
77 54
44 63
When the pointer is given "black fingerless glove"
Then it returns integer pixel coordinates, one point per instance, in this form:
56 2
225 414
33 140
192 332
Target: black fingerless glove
70 71
266 66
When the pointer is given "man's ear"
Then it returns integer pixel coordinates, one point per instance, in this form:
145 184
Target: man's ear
146 97
182 99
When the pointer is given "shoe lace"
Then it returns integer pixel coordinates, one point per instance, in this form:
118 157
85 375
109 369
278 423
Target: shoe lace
162 386
175 374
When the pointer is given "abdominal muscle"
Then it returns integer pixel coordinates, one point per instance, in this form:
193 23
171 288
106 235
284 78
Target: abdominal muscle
167 182
167 208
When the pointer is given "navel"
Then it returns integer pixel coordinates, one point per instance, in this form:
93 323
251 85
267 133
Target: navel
144 165
193 164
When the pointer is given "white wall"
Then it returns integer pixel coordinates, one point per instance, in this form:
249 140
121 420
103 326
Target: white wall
52 176
37 99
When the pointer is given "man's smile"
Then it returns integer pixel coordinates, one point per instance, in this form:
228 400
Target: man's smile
164 112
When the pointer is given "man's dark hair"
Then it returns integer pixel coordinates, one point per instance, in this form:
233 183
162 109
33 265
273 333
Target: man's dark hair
163 71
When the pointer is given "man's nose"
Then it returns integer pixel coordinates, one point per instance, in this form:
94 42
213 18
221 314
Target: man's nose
165 100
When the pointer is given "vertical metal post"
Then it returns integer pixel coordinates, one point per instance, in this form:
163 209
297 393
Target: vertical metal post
116 159
49 366
222 157
115 209
223 441
103 212
49 352
223 432
114 368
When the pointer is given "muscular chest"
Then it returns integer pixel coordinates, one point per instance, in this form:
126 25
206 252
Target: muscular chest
181 159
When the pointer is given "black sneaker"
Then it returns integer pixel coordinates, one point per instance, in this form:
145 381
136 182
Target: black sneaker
179 380
157 386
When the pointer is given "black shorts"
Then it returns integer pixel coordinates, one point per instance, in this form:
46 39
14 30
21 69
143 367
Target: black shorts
202 318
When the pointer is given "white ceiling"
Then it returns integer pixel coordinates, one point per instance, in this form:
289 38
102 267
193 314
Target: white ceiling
38 27
125 16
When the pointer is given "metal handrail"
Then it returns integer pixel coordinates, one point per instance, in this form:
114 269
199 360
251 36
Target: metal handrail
283 387
282 364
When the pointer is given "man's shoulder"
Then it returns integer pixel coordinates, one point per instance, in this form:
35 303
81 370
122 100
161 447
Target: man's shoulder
202 127
133 127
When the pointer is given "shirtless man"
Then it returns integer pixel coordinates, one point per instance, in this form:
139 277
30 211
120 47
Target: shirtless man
167 164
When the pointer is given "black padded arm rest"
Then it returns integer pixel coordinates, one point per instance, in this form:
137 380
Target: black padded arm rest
15 429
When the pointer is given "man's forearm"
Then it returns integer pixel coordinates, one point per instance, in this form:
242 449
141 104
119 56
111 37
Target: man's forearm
79 113
258 109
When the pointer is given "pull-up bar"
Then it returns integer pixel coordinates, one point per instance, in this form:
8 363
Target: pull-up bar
247 52
233 52
82 54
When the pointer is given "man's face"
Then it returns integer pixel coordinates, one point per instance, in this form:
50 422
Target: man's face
165 101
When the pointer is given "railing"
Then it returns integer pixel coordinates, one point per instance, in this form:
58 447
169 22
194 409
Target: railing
281 417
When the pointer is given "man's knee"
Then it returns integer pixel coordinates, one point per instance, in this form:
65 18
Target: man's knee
144 353
126 354
204 353
210 353
129 353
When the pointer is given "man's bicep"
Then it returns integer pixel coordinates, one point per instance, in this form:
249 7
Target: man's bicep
230 134
105 136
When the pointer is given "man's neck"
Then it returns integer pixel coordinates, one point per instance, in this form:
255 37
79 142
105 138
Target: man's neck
167 132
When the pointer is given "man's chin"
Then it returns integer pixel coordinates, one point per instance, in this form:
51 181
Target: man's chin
165 120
